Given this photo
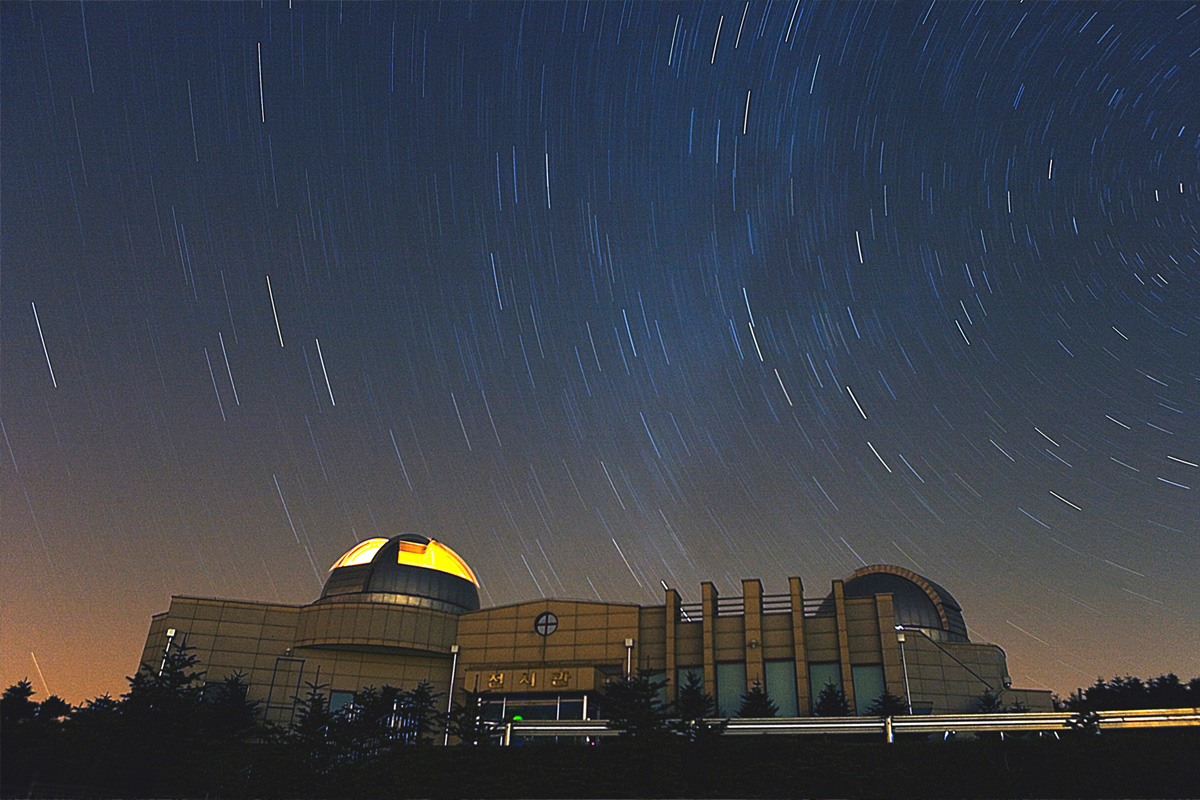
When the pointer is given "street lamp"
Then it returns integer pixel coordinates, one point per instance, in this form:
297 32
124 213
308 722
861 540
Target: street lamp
904 666
450 694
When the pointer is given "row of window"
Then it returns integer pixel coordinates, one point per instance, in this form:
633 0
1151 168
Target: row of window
780 680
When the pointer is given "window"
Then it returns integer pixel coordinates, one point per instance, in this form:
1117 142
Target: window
868 685
821 675
339 700
781 686
681 677
731 685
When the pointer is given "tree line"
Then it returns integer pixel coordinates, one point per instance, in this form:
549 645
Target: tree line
175 734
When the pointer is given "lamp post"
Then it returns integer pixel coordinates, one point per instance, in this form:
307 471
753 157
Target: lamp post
166 651
450 694
628 657
904 666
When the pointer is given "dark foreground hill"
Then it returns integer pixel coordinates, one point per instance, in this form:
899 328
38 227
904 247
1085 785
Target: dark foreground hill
1162 764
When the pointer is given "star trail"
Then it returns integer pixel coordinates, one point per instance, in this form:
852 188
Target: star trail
604 295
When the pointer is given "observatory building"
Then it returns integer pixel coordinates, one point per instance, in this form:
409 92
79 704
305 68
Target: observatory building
404 610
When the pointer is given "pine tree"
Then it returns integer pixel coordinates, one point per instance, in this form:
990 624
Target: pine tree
989 703
16 705
416 718
757 704
311 723
831 702
695 708
634 705
230 714
466 720
887 705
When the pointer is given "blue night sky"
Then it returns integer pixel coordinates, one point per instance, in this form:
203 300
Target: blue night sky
603 295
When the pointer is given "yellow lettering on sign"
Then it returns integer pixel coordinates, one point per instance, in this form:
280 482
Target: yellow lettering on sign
528 679
561 678
496 681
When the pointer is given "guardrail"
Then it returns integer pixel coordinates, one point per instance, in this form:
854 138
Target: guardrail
888 727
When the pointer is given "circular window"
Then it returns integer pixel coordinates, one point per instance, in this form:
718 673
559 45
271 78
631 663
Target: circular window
546 623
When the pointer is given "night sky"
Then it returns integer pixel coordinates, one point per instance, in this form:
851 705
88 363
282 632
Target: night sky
603 295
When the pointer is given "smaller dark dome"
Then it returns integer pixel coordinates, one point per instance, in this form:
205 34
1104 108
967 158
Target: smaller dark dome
917 601
409 569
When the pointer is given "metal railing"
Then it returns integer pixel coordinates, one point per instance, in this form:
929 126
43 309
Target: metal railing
771 604
813 607
888 727
776 604
730 607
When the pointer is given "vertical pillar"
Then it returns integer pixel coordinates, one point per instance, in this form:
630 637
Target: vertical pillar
893 674
752 644
708 596
799 647
671 619
839 603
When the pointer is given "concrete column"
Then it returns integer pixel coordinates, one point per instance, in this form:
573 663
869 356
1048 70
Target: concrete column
671 619
893 674
799 647
752 644
839 602
708 593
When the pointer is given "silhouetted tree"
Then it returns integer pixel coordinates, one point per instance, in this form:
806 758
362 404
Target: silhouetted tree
756 704
1085 722
163 703
466 720
311 734
887 705
989 703
161 728
359 729
229 713
16 705
29 732
634 705
694 708
53 709
416 719
1166 691
831 702
1129 693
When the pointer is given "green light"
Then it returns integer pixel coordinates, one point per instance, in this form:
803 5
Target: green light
518 718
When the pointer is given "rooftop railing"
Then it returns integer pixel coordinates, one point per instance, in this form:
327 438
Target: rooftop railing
771 604
1017 722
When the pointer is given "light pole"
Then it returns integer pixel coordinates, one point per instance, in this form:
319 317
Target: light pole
628 658
904 666
450 694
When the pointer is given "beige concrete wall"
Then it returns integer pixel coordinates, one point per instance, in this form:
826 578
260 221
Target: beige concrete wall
227 637
588 634
376 625
349 671
729 643
651 652
260 641
355 644
777 637
1031 699
821 639
689 646
950 676
862 631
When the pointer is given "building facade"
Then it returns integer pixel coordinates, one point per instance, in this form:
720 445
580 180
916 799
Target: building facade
404 610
